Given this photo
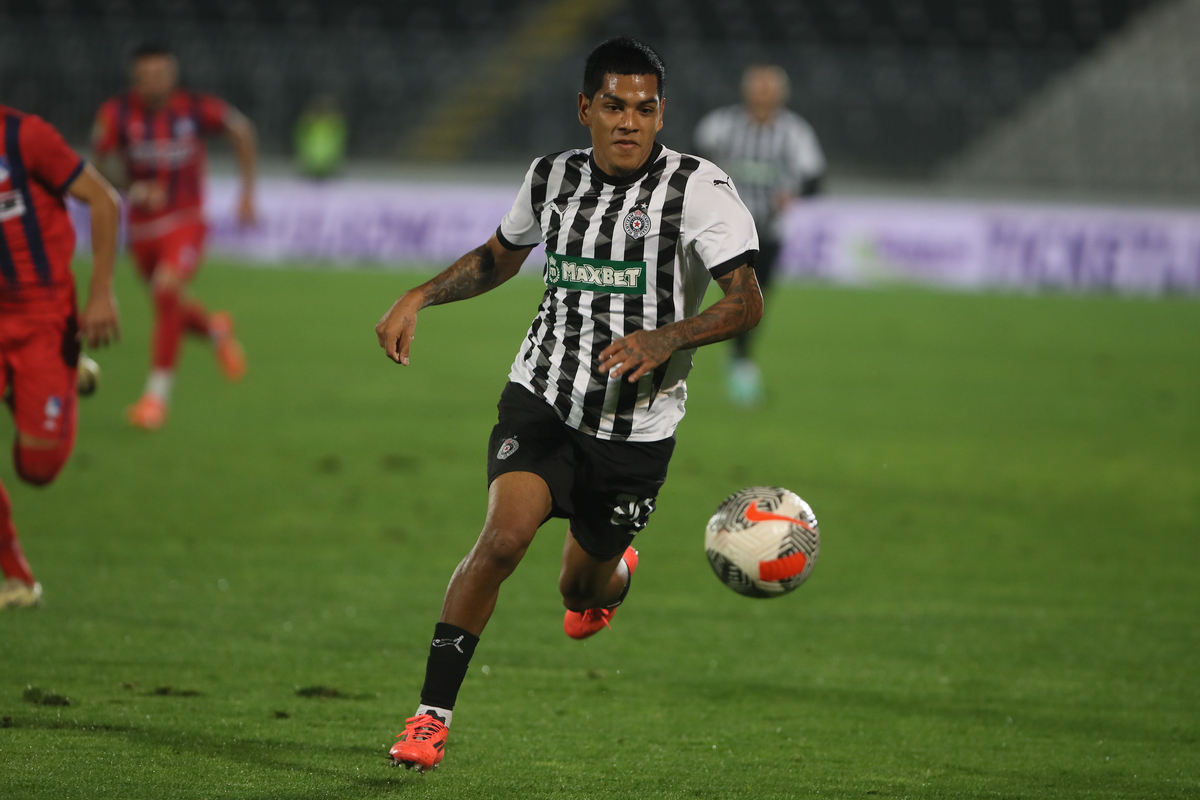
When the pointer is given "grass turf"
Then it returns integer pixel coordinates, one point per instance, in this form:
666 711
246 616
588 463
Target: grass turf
1005 606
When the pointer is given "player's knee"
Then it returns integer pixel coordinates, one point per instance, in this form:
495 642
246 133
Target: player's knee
501 550
37 464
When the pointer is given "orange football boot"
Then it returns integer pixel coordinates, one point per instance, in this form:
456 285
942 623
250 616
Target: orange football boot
582 624
148 413
422 744
230 356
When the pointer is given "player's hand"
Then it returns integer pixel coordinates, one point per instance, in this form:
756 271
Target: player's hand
396 329
635 355
99 324
247 215
148 195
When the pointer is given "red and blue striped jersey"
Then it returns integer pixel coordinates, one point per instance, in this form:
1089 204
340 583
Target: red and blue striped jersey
36 236
163 144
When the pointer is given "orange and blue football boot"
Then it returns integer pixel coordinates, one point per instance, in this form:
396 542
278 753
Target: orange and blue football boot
582 624
422 744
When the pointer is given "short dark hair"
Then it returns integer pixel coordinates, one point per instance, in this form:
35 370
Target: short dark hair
622 56
148 49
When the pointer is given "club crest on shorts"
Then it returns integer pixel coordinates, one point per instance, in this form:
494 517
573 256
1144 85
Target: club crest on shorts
637 222
508 448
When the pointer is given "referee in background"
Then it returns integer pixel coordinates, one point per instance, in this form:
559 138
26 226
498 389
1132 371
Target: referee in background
774 157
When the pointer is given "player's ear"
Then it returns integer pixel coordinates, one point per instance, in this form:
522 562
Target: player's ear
662 108
585 105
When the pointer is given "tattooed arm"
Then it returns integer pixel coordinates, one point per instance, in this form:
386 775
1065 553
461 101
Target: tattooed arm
737 312
479 271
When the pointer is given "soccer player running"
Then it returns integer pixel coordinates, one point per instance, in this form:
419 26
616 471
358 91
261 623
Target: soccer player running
149 141
633 233
40 330
775 158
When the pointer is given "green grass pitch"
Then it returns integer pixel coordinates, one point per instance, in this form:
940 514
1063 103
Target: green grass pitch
1006 603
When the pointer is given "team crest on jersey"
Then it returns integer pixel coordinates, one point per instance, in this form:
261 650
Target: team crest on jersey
3 169
184 127
637 222
508 448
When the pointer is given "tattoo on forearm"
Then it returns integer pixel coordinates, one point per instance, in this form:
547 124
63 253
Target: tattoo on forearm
737 312
471 275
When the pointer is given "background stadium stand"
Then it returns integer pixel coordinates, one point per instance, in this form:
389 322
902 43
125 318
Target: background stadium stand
1126 120
893 87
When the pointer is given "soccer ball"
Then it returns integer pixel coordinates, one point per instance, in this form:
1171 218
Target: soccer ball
88 376
763 542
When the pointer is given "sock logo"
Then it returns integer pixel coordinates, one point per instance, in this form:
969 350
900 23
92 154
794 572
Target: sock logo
455 643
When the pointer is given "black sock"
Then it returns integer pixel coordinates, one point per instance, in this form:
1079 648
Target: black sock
449 656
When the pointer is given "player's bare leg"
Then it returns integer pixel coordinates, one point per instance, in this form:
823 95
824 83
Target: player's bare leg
592 590
518 503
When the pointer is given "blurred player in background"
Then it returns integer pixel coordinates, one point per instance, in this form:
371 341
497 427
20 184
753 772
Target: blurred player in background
149 141
634 233
40 329
774 157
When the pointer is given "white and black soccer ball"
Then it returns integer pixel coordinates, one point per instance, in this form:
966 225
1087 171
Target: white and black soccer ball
763 541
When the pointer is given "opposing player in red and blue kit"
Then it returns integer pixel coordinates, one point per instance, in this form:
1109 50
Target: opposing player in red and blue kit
150 141
40 330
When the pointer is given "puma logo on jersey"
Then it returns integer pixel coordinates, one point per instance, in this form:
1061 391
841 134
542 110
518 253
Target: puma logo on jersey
455 643
727 182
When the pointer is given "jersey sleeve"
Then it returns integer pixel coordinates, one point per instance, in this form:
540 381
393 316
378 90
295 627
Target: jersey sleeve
211 113
717 226
520 228
48 158
106 134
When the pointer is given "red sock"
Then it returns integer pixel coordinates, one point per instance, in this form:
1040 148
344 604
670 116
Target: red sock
195 318
12 559
168 328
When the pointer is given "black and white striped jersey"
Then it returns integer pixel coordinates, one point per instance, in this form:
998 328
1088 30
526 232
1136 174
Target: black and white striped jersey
764 158
622 254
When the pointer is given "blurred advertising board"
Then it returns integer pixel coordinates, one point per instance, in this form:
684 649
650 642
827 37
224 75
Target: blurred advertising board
977 245
966 245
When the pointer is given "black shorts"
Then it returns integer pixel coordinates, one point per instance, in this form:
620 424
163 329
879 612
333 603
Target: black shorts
605 489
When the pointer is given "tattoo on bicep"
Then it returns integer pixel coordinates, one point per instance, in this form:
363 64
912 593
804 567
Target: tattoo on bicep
472 274
736 312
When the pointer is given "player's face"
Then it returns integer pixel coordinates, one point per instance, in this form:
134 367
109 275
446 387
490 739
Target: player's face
154 78
623 117
764 91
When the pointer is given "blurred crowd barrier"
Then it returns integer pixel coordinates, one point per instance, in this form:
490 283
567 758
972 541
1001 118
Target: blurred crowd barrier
961 245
